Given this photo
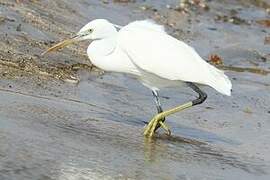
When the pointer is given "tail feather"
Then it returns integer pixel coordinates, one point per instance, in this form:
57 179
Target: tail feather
219 81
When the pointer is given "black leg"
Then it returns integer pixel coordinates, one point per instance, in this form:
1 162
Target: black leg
156 97
158 105
202 95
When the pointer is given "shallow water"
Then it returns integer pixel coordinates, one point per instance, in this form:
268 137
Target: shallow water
51 129
83 138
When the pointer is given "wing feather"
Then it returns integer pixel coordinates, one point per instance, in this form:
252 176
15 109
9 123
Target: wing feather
158 53
149 25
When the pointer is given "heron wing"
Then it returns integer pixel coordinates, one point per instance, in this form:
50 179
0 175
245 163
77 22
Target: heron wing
160 54
148 25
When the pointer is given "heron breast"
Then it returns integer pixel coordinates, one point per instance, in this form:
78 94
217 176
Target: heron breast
115 61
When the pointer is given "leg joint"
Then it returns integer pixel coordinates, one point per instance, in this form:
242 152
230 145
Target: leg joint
200 100
202 95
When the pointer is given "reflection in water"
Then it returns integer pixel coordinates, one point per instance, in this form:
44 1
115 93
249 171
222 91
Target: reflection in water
150 149
129 154
162 157
188 150
154 146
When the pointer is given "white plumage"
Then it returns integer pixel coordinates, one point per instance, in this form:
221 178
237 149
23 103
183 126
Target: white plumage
144 49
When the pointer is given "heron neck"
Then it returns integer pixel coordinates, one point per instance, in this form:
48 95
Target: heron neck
102 47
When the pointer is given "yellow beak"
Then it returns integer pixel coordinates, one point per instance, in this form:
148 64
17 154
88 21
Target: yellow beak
61 45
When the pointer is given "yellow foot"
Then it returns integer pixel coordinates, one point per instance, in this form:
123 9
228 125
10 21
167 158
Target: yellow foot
151 127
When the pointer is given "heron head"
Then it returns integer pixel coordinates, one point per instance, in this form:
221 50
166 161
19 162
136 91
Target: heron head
97 29
94 30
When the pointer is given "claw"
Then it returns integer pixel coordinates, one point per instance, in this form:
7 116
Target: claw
158 120
152 125
166 128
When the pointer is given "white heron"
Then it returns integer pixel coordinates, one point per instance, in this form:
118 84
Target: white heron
145 50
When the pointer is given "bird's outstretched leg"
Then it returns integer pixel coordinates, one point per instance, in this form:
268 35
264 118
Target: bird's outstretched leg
159 119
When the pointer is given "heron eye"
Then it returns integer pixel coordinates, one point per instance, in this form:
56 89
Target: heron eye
90 30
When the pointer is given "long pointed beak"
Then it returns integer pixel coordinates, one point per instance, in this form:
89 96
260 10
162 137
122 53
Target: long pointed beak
62 44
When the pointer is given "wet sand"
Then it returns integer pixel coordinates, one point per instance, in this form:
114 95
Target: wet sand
62 118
